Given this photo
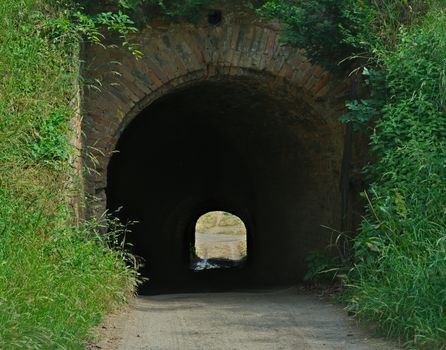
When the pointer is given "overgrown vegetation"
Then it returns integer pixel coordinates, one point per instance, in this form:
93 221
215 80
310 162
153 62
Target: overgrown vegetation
399 276
398 269
170 8
57 279
322 27
143 11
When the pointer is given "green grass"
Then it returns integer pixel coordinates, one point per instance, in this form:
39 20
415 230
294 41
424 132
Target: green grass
57 279
399 276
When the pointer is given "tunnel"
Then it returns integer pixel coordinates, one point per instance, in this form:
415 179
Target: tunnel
242 146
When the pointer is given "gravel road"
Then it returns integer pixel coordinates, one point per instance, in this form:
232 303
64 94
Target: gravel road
253 320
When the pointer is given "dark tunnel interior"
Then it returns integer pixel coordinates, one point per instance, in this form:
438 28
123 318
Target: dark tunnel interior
232 146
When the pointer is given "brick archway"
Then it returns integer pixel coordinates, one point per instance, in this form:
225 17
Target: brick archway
182 55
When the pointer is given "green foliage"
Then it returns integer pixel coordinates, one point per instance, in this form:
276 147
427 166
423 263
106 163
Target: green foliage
321 266
342 34
332 263
72 25
170 8
398 278
185 8
363 111
118 22
50 141
318 26
56 279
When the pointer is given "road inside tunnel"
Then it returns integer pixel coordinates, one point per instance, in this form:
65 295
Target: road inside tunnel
235 146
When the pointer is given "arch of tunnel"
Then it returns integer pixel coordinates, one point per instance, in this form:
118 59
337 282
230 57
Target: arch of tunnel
217 118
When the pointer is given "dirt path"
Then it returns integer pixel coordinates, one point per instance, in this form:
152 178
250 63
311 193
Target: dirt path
211 245
262 320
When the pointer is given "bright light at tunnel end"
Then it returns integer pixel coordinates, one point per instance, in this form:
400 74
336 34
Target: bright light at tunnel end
220 242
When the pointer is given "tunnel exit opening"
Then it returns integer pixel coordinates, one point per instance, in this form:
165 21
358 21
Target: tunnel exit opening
220 242
254 149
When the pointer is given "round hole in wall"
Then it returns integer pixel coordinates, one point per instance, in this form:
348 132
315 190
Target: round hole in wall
215 17
220 242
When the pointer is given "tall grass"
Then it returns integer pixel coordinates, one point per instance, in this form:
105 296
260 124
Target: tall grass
57 279
399 277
